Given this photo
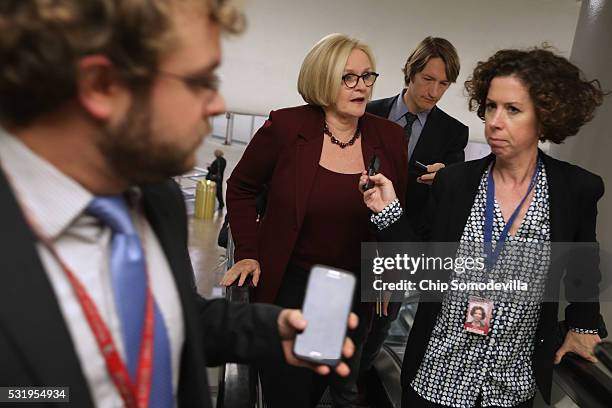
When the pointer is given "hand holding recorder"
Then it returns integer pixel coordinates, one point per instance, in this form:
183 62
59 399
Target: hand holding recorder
371 171
380 194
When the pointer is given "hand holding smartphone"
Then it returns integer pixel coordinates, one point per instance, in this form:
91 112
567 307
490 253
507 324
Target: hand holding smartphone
329 296
420 168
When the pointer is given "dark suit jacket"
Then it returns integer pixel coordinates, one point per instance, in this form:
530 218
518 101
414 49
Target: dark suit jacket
216 169
442 140
284 154
35 345
573 194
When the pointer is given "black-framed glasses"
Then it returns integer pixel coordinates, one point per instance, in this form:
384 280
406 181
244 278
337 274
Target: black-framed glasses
196 83
351 80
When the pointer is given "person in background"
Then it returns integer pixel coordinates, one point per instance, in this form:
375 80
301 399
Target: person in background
518 195
310 158
434 138
101 103
215 173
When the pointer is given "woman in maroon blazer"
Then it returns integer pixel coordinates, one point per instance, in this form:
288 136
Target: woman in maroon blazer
310 158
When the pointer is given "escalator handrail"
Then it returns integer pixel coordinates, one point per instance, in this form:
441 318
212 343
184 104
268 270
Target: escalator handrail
603 351
237 382
587 384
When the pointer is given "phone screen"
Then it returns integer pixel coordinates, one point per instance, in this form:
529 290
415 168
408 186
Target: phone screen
327 304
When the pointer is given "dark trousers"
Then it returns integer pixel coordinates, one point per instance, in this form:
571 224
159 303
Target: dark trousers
220 194
410 399
376 336
287 386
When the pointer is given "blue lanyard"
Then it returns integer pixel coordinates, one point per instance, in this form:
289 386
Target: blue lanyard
491 254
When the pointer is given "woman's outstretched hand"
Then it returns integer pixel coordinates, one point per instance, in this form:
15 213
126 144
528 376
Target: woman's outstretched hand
242 269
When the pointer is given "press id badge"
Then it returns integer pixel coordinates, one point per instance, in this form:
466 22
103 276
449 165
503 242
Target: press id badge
478 315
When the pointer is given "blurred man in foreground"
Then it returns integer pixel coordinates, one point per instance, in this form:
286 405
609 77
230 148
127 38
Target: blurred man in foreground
101 101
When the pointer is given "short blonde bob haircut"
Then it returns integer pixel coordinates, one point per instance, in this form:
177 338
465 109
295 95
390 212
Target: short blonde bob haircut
322 69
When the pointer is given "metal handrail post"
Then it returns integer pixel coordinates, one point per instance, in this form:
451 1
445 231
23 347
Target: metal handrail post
229 251
229 130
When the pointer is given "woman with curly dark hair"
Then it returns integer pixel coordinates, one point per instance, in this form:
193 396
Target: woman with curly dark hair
517 196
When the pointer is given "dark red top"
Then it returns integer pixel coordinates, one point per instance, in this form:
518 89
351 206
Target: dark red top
335 223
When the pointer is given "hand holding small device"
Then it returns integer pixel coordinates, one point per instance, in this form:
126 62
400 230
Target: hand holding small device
372 170
291 322
329 296
377 191
420 168
428 172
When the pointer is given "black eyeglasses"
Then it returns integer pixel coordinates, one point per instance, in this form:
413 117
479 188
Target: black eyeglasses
351 80
197 83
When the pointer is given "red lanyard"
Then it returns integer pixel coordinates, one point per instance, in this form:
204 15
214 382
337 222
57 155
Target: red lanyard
134 395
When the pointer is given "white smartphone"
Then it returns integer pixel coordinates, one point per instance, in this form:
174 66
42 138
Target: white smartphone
329 296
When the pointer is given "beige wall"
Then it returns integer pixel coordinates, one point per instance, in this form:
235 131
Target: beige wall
592 147
260 67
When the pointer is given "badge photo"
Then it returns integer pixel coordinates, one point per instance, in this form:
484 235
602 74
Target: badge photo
478 315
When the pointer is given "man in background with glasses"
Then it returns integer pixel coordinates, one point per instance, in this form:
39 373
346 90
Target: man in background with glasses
434 139
101 103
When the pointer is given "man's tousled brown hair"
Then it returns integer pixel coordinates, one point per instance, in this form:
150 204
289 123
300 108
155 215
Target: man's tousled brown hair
41 42
432 47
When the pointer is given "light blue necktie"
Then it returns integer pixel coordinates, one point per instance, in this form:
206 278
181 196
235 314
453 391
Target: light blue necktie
130 287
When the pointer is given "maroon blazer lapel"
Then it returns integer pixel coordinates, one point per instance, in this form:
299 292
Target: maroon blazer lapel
370 143
308 154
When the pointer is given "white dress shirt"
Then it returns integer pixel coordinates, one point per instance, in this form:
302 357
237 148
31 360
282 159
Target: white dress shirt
55 203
